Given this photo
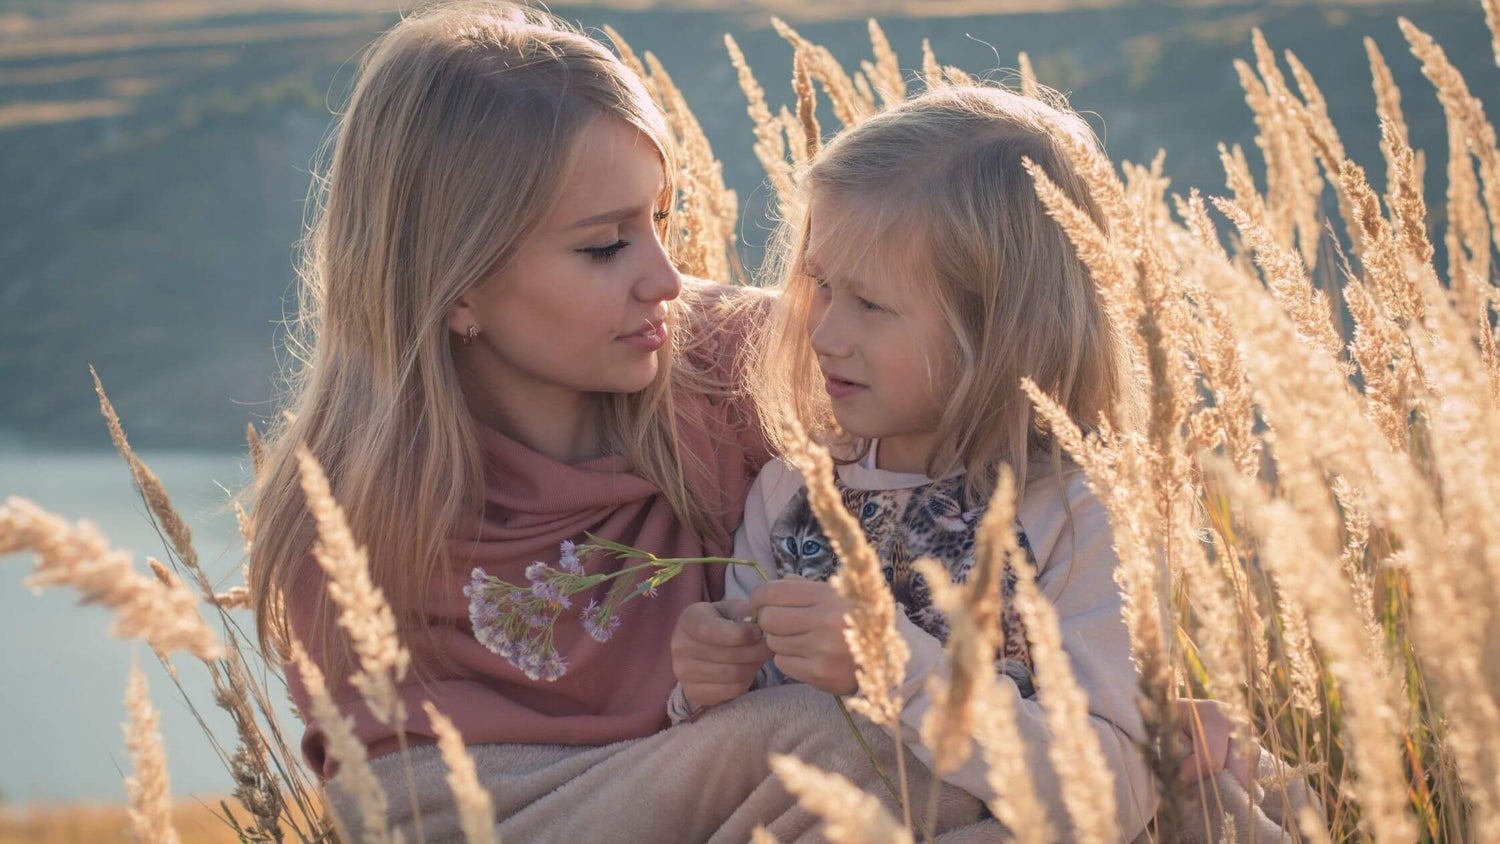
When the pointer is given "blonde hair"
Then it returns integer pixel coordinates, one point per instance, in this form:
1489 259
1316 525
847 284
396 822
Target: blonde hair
459 131
942 194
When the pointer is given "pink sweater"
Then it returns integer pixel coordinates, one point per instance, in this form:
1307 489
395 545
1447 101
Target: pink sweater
613 690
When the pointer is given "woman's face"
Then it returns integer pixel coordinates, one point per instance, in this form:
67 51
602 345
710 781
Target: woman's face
582 304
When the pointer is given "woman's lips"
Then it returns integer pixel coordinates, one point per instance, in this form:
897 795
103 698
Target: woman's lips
839 388
648 339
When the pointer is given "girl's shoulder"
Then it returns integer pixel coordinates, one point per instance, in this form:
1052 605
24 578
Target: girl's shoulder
1058 510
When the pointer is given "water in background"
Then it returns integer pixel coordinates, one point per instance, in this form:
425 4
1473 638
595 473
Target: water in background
64 677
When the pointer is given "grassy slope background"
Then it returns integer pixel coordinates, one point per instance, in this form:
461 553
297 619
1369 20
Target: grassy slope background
154 156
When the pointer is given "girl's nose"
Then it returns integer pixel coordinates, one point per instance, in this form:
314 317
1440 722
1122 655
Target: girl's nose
830 337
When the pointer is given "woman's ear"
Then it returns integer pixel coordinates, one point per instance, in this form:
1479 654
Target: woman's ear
461 316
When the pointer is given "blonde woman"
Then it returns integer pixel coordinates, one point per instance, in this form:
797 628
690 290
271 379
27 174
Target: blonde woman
495 354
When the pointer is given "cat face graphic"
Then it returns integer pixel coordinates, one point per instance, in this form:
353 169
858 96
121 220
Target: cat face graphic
798 543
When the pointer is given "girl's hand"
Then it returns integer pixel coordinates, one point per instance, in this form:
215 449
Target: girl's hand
1206 733
715 652
804 625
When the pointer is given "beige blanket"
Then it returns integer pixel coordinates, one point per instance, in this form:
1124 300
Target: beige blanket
708 781
701 781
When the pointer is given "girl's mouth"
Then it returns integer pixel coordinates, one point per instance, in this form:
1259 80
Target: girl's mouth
838 388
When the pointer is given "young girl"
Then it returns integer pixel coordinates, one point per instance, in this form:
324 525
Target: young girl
924 283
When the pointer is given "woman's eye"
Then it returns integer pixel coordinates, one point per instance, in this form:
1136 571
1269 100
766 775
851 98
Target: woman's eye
603 254
659 216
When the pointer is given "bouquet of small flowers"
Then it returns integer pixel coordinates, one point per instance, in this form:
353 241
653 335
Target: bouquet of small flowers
516 621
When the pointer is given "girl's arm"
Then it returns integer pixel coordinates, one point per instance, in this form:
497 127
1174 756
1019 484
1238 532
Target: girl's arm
752 541
1078 578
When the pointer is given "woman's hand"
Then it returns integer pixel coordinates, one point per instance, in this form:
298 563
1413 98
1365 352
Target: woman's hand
715 652
804 625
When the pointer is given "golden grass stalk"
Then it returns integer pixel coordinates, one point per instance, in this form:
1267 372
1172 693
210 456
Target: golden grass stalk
770 143
878 650
363 611
850 816
162 614
973 703
1287 277
1463 109
1467 238
355 773
1492 19
807 105
1088 789
1029 85
257 448
761 835
820 65
1290 549
1303 186
149 786
932 72
709 208
476 811
887 79
155 495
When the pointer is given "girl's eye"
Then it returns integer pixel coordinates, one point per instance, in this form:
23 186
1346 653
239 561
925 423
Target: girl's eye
603 254
819 283
869 306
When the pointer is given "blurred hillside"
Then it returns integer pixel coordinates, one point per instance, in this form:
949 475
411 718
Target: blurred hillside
154 154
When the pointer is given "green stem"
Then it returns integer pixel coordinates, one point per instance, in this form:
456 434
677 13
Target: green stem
870 752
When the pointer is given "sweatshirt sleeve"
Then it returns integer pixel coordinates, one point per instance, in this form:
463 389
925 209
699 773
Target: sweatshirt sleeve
1077 576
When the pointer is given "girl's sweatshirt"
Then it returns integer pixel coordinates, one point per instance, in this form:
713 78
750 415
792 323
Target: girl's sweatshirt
1065 530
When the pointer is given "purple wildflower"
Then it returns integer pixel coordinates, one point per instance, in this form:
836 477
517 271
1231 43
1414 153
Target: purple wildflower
599 622
569 561
546 591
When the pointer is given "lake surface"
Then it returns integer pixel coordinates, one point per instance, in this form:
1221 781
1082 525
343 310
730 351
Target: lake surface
63 676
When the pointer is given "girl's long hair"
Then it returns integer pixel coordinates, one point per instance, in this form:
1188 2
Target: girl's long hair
934 189
458 133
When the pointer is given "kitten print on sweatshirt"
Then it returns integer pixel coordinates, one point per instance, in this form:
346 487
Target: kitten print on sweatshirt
904 525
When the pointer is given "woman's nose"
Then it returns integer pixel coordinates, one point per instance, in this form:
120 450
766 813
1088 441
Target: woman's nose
660 282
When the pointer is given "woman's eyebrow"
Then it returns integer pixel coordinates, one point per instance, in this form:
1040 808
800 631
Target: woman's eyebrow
614 216
619 214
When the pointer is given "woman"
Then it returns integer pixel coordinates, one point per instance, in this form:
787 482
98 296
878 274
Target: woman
498 355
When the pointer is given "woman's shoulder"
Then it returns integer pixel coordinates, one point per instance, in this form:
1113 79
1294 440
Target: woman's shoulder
721 318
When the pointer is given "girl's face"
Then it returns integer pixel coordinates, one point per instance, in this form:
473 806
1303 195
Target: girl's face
884 349
581 306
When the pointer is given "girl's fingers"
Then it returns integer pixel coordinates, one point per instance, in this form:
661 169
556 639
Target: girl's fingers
711 673
802 645
796 667
713 629
755 654
790 621
789 592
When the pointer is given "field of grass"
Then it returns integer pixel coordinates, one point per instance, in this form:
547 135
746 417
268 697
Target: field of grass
1317 456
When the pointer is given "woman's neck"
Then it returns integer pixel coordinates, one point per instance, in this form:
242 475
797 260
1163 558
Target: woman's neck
559 422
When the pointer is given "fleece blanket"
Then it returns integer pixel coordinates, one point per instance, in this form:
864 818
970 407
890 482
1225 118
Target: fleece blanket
706 780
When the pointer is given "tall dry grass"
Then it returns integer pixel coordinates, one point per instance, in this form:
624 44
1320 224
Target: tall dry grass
1316 457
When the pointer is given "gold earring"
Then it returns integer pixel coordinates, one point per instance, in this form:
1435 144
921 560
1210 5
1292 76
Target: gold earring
471 334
